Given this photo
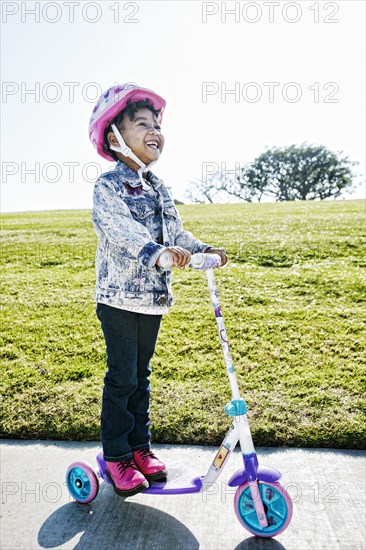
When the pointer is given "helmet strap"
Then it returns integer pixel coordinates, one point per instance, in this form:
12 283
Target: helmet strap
127 152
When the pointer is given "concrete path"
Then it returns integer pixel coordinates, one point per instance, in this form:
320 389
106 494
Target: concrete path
327 488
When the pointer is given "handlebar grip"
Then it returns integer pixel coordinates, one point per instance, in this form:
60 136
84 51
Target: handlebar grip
202 262
166 260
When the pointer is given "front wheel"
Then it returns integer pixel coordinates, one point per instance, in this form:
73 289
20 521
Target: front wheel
277 506
82 482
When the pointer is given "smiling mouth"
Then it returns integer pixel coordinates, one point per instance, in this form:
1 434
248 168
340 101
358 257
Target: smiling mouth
153 145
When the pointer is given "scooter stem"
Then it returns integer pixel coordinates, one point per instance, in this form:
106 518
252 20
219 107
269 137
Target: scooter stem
222 333
237 407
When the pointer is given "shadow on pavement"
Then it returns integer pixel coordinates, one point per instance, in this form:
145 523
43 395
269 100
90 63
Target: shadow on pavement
256 543
112 522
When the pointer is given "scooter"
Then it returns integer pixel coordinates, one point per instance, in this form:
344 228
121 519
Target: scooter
261 504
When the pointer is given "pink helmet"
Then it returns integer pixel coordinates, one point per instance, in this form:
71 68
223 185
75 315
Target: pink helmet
111 103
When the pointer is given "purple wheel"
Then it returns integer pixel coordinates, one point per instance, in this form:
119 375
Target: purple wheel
277 506
82 482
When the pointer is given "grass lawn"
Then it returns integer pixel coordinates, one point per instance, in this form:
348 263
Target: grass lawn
293 298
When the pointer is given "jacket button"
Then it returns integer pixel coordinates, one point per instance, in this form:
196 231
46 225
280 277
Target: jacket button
162 300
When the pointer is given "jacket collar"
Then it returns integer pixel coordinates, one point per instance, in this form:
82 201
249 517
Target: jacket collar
127 175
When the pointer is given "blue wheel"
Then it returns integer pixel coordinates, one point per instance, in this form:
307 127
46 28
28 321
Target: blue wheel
277 506
82 482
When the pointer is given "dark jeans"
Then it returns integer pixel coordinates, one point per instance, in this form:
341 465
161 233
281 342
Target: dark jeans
130 342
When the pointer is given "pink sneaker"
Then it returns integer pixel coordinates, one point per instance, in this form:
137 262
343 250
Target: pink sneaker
127 480
150 465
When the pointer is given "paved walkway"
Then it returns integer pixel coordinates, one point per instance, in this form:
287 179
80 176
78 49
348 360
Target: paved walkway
327 488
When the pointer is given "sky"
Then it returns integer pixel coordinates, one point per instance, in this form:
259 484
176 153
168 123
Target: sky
238 77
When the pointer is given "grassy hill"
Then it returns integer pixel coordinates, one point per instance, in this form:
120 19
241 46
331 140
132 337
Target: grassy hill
293 297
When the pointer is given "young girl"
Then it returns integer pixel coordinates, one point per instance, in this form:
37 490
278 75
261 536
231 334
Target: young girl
136 221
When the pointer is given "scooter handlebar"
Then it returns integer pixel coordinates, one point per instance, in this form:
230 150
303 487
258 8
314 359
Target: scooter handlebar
199 261
202 262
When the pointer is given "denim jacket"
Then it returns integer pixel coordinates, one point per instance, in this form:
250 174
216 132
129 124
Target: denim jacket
134 226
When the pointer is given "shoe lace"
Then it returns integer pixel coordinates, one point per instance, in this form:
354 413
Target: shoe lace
146 454
124 464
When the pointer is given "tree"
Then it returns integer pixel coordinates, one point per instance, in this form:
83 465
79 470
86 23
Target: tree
306 172
216 187
200 191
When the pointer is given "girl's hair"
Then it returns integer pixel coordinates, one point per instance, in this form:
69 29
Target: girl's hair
130 110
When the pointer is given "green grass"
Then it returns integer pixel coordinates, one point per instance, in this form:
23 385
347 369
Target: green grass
293 297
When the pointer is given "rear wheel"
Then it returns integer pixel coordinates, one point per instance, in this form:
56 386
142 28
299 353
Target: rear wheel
277 506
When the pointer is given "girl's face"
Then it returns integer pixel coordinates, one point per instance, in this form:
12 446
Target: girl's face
143 135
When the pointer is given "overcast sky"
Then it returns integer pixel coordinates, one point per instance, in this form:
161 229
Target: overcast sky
237 77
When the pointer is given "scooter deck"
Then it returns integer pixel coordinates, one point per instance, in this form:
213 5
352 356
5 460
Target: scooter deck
181 479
